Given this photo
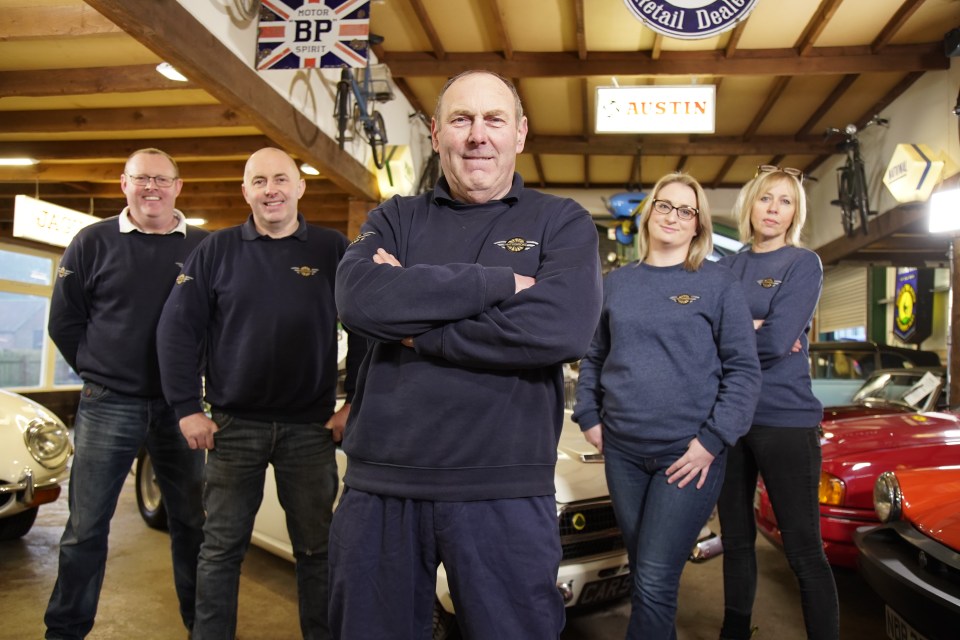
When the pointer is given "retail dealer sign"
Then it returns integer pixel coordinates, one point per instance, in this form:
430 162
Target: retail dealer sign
657 109
690 19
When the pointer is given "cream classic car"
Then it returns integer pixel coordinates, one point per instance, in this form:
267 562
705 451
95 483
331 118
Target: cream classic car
34 450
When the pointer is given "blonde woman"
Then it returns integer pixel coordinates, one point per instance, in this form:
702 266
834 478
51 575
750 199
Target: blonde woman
782 284
668 385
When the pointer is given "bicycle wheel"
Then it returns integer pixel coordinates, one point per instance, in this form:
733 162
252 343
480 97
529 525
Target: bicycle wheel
430 173
845 201
341 110
376 132
861 198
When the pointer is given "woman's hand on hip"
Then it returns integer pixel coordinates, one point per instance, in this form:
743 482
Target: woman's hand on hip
695 462
594 435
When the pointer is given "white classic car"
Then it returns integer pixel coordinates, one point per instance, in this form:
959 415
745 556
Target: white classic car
34 450
594 567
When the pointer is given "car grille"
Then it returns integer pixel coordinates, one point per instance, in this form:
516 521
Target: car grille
589 529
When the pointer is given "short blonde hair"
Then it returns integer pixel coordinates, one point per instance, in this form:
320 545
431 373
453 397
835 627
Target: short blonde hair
751 192
702 244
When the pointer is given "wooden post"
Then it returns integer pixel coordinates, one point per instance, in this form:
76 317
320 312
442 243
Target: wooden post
357 215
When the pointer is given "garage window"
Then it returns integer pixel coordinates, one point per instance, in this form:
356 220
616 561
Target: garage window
28 358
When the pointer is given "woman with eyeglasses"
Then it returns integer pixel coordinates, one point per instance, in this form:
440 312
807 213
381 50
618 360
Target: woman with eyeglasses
782 283
668 385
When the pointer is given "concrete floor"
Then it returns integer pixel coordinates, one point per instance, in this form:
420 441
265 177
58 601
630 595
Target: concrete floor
138 599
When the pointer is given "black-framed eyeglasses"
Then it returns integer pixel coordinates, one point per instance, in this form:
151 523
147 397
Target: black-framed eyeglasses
770 168
161 181
664 207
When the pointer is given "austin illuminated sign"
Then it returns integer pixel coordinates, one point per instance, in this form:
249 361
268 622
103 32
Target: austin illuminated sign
656 109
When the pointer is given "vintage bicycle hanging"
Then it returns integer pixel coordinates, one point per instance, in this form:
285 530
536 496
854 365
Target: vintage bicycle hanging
852 196
356 105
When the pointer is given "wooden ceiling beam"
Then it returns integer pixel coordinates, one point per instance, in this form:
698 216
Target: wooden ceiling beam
122 119
779 86
499 24
845 83
895 23
823 60
626 145
175 35
180 148
816 26
84 81
110 172
581 29
56 21
439 53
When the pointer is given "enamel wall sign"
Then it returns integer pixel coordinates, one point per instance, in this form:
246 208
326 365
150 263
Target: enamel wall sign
690 19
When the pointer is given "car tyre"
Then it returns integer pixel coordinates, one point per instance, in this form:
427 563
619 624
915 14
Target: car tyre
444 623
149 500
17 525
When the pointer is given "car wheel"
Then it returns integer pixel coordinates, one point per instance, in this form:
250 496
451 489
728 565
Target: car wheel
17 526
149 500
444 623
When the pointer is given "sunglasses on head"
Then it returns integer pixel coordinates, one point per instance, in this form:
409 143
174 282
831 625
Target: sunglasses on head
770 168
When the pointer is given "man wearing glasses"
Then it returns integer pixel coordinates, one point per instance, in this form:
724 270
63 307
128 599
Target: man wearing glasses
111 285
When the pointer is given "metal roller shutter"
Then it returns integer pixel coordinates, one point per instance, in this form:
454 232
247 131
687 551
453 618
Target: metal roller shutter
843 302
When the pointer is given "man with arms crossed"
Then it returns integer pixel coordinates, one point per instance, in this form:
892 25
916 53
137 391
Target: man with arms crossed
111 286
473 295
254 305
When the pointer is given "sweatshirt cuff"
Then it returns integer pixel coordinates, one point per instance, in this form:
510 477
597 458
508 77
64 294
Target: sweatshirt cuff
588 420
711 442
429 343
500 285
188 408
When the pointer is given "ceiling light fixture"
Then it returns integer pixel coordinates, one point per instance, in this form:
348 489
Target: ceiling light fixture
309 169
197 222
166 70
18 162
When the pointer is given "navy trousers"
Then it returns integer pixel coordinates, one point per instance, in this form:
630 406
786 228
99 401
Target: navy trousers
501 559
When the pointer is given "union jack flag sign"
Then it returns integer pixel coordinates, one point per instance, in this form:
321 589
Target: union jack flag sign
298 34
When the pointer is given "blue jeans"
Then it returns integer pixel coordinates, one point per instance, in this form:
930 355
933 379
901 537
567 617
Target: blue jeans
109 431
660 524
303 458
789 460
501 559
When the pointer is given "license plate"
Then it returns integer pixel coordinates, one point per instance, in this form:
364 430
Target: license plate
897 627
604 590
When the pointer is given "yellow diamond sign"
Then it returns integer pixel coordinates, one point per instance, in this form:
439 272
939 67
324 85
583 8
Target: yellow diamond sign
913 172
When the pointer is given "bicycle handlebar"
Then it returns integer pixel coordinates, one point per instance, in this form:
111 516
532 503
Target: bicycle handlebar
851 130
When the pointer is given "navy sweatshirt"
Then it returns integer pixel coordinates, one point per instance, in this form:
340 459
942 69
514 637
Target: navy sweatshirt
107 299
674 358
260 314
474 410
782 289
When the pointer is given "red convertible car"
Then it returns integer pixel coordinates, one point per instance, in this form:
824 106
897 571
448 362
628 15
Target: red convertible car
856 451
912 560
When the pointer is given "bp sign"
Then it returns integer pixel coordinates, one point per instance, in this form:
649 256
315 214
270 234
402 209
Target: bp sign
690 19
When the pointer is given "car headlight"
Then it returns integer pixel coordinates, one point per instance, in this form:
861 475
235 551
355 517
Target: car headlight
832 490
887 498
48 443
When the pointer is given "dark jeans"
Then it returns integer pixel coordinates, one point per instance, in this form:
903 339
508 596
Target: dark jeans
501 558
660 524
303 458
789 461
109 431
